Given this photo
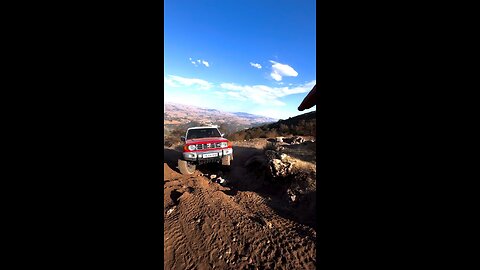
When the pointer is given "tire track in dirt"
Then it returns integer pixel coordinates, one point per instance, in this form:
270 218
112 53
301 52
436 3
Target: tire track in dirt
214 227
280 238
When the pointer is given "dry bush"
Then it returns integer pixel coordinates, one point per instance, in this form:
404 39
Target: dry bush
300 165
272 146
239 136
272 133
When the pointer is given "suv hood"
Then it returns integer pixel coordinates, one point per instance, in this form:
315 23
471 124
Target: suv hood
206 140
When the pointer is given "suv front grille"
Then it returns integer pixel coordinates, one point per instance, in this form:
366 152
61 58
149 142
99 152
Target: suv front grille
203 146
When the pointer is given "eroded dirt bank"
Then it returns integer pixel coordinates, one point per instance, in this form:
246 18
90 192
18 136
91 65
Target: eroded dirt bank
238 226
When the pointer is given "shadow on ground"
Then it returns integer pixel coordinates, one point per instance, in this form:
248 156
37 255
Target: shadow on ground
171 157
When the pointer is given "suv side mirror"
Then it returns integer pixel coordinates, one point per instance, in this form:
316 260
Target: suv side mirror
223 134
182 138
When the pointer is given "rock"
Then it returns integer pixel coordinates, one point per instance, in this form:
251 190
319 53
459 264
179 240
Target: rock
279 139
291 195
244 258
198 220
213 176
294 140
283 156
277 168
170 210
298 140
270 225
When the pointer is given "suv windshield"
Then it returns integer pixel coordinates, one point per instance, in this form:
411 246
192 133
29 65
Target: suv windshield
202 133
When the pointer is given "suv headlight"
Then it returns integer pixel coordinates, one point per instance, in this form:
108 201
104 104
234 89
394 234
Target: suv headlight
223 144
192 147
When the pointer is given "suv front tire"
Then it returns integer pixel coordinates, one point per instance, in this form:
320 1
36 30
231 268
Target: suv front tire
226 160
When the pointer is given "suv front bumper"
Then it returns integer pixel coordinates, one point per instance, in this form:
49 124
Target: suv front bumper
197 156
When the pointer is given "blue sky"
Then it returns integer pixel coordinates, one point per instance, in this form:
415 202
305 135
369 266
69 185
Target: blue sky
240 56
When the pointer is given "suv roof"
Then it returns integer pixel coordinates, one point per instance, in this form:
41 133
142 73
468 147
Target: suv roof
202 127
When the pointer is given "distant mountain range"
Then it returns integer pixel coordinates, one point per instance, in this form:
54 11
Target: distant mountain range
304 125
182 116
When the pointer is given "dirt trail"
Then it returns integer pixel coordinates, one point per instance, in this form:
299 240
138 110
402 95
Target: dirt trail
208 226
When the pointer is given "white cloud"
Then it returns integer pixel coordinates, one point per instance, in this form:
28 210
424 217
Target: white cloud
189 98
177 81
169 82
277 77
256 65
199 61
231 95
278 114
281 70
265 95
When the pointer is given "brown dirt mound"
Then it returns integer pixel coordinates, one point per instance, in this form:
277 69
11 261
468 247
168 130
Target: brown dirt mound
208 226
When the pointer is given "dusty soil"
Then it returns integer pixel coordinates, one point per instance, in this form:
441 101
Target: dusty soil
244 225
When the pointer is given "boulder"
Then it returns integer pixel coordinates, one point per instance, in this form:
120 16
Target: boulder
277 164
277 168
297 140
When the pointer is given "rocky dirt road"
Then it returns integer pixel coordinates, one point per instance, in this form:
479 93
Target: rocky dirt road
210 226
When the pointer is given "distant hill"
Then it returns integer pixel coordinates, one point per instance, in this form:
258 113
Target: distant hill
179 116
249 116
303 125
